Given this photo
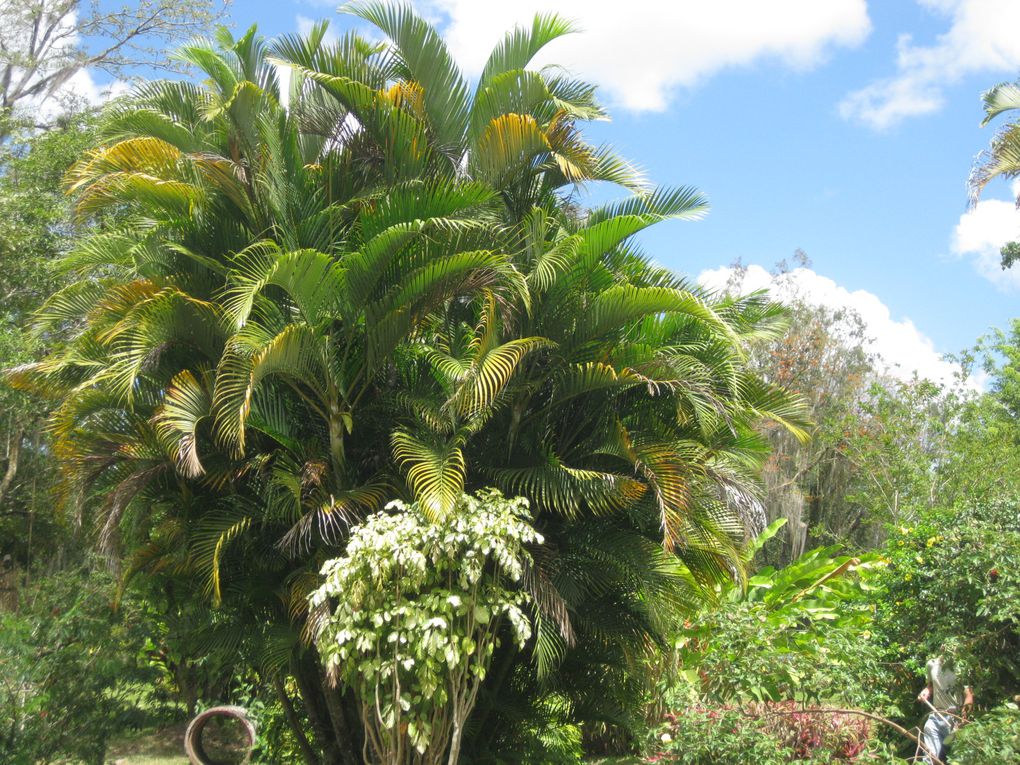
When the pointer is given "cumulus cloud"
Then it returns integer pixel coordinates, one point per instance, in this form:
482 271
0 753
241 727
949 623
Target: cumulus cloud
980 234
899 345
981 38
641 51
80 88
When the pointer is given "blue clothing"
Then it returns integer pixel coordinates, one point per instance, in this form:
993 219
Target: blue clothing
934 735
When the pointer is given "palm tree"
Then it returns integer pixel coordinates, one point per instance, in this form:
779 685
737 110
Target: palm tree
298 305
1002 158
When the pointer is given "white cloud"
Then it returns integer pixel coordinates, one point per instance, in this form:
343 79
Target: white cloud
902 348
981 38
980 234
639 52
83 88
305 24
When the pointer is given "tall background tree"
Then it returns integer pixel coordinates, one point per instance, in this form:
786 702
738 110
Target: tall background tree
34 233
45 43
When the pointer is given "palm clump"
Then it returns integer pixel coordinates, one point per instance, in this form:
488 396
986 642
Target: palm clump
331 274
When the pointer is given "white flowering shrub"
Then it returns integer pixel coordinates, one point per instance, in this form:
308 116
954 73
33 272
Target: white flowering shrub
415 610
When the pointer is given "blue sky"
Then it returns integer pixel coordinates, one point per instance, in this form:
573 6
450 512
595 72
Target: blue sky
845 128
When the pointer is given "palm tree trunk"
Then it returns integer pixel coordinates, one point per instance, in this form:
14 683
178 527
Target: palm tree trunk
316 711
341 729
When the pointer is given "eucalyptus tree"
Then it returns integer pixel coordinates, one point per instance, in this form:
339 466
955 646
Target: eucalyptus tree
45 44
373 284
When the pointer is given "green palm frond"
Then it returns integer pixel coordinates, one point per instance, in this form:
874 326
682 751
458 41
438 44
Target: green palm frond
168 195
438 280
426 61
519 46
436 470
681 203
507 147
491 372
295 353
167 319
397 133
619 306
552 262
773 403
331 520
141 154
1000 160
211 540
70 304
512 92
558 488
188 402
313 280
1002 98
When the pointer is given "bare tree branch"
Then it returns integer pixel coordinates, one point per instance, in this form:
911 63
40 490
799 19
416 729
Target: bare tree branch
44 43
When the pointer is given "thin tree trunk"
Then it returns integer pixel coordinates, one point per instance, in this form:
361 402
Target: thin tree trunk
311 757
13 455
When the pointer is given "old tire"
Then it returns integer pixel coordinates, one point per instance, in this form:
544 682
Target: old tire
193 736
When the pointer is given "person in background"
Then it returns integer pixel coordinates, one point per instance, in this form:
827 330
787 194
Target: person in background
950 707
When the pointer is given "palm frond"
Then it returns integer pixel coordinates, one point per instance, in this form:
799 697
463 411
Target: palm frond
519 46
426 61
436 470
188 402
1002 98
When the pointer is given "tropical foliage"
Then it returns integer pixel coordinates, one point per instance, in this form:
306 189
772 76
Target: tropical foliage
800 633
995 738
967 609
301 304
35 231
69 667
333 349
1002 158
771 734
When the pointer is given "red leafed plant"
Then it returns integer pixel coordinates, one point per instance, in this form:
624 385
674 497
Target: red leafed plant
843 736
767 733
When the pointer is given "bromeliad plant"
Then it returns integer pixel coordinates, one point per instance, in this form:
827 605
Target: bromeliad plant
415 611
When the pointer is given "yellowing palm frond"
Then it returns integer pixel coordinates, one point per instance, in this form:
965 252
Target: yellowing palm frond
436 470
188 402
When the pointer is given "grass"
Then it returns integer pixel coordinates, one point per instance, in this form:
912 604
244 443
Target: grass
154 746
165 746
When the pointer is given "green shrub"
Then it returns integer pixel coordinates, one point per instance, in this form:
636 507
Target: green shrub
994 738
698 736
803 633
952 587
414 610
70 668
